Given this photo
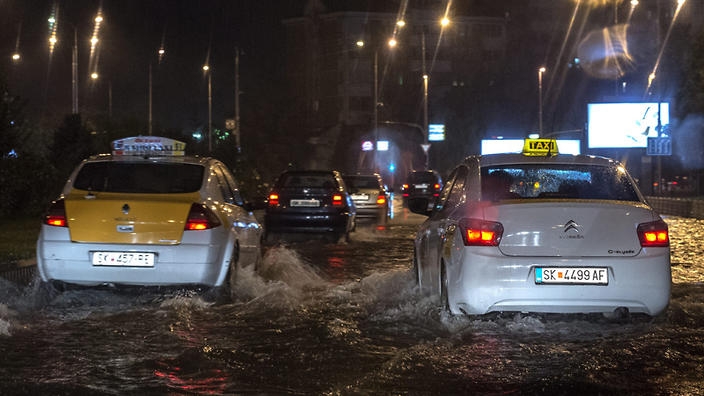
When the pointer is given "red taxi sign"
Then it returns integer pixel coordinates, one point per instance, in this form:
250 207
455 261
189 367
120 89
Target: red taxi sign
540 147
148 145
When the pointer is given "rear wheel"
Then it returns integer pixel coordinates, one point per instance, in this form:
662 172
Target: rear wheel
444 298
223 293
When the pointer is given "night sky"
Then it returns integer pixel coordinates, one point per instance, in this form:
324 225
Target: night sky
192 33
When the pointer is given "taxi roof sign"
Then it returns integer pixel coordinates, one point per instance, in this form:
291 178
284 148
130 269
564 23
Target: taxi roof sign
540 147
148 145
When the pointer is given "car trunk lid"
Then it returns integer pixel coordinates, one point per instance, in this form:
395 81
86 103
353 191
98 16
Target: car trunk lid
134 218
569 229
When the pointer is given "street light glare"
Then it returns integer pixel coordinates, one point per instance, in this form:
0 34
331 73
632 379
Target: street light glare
360 43
401 23
206 67
15 57
94 76
392 42
444 21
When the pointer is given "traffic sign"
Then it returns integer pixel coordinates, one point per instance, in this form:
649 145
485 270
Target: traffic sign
659 146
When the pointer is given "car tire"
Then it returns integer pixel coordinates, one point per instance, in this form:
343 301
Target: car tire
223 294
416 270
270 237
444 298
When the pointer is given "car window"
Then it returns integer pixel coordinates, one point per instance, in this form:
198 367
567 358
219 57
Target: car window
541 181
227 185
326 181
362 182
454 192
147 178
423 177
457 193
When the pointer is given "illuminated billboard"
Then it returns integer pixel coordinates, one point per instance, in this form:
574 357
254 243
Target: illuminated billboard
624 125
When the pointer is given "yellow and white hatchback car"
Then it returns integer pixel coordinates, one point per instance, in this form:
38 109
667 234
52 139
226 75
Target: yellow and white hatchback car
542 232
147 214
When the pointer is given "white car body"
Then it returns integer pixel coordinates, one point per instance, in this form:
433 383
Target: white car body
592 242
139 238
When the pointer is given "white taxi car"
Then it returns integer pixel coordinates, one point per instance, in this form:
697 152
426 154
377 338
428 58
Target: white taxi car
148 215
542 232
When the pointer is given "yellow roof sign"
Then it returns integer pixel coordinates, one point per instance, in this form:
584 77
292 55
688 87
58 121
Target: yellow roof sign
540 147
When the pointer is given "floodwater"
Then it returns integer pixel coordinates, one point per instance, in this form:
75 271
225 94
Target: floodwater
319 318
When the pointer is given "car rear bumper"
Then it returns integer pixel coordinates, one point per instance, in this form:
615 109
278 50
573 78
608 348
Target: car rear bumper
182 264
308 222
485 283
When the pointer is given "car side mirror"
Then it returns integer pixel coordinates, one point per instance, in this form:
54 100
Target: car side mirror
421 206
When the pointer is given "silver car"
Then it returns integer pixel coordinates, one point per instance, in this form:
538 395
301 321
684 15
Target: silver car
370 197
543 233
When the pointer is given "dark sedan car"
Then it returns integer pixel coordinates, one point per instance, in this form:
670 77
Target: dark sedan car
422 184
310 201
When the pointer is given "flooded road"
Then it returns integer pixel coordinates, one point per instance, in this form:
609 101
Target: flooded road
320 318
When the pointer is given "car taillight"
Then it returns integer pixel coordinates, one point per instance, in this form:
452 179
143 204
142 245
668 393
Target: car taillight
273 199
201 218
436 188
476 232
337 200
654 234
56 214
381 199
404 190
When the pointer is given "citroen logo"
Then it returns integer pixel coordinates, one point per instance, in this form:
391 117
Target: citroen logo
572 226
125 209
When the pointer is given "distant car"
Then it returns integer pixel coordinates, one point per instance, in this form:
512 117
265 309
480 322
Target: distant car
312 202
421 184
148 215
539 232
370 197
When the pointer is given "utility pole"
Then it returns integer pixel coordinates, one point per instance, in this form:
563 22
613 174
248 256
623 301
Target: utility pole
237 129
74 73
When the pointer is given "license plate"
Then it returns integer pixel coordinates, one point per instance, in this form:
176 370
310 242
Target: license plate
124 259
572 275
420 185
305 203
360 197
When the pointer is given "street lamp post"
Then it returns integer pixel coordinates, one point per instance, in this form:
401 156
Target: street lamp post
541 70
206 69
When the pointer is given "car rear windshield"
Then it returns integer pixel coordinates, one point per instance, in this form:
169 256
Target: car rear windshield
422 177
308 180
557 181
147 178
361 182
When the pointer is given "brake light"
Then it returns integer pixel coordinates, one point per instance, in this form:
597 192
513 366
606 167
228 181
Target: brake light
476 232
404 190
273 199
201 218
654 234
381 199
56 214
337 200
436 186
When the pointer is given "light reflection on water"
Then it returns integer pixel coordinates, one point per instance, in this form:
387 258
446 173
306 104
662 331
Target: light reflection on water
339 319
